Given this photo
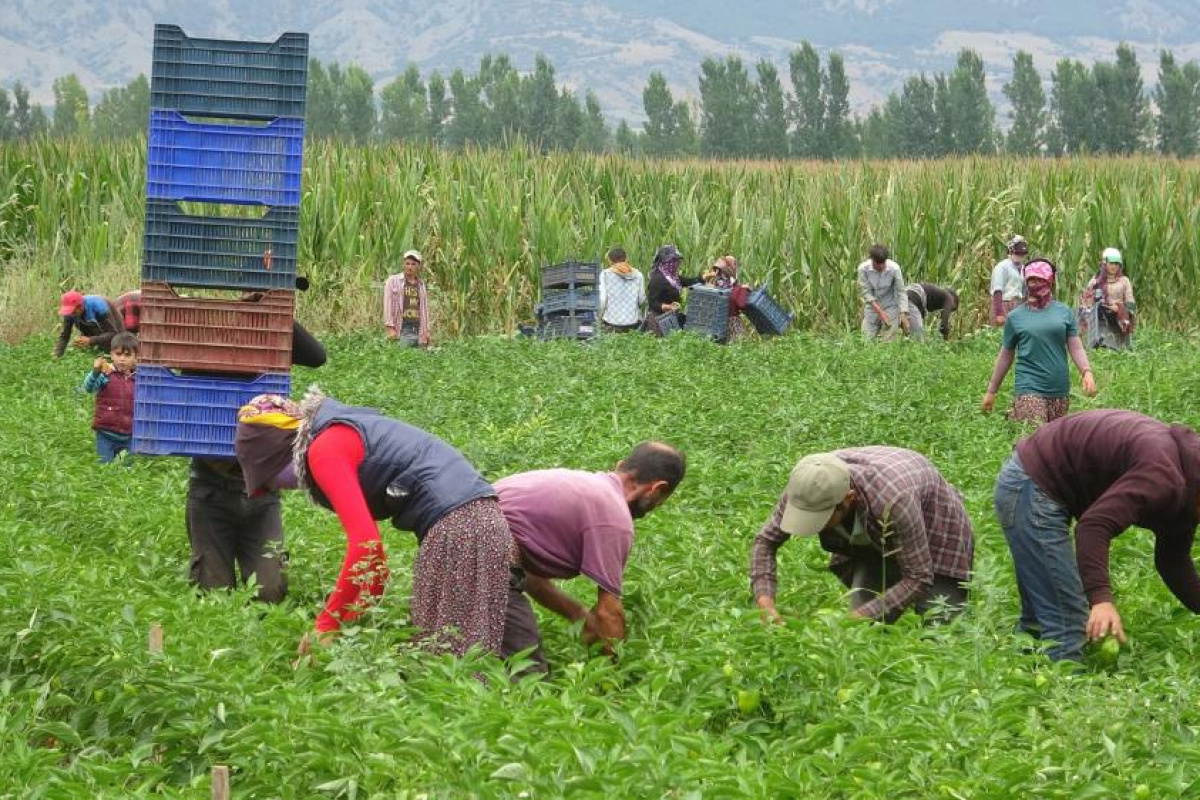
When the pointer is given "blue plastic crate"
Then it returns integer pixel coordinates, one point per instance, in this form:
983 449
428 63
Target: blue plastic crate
767 317
708 312
570 300
189 415
571 274
220 252
668 323
217 163
220 78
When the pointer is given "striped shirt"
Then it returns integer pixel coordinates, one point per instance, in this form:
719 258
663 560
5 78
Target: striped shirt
909 513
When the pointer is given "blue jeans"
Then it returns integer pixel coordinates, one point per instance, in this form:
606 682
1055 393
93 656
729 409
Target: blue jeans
1038 530
108 444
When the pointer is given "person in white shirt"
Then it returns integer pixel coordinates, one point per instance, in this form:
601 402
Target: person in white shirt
622 294
1008 287
885 303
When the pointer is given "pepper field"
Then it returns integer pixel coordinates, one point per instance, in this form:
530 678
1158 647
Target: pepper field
704 701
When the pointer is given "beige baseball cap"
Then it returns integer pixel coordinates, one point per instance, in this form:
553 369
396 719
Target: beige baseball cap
416 254
818 483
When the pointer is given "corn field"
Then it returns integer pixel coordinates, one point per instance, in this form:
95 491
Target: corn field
70 216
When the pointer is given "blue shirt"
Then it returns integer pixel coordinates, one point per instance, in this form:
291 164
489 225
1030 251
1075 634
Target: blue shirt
1040 340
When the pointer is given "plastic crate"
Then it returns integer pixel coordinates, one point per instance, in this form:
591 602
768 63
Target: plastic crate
220 252
216 335
708 311
668 323
571 273
220 78
767 317
185 415
567 327
217 163
568 301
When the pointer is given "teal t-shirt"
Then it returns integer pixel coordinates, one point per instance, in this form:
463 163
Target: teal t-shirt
1040 339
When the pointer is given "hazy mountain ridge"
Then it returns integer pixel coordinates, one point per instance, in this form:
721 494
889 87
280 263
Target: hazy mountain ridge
609 46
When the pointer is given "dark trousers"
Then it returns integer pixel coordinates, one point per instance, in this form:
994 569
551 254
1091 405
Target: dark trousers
306 350
226 527
520 624
873 576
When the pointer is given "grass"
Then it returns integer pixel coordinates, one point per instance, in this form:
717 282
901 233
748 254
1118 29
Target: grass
90 558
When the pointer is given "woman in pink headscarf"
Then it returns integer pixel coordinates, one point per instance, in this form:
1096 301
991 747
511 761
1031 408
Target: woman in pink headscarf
1039 335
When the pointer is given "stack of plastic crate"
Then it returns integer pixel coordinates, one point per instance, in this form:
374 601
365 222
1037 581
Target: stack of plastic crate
226 127
569 300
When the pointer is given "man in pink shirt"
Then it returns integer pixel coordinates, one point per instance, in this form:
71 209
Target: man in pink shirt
567 523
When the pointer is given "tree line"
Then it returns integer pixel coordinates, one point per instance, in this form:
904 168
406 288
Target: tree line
738 112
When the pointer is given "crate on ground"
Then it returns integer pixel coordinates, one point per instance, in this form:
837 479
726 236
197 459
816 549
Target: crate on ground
569 300
192 415
567 327
233 335
767 316
571 274
220 252
233 79
708 311
668 323
224 163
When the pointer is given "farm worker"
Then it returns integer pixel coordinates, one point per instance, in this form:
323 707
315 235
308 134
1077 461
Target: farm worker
406 304
1008 285
622 294
130 306
666 286
724 275
230 533
97 319
899 534
1109 292
367 467
113 384
1109 470
923 300
1039 334
885 303
568 523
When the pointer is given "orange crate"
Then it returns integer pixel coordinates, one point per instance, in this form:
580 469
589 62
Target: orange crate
216 335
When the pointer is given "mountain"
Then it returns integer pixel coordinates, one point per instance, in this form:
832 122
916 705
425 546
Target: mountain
609 46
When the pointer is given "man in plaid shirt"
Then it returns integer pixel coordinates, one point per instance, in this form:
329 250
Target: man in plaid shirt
899 534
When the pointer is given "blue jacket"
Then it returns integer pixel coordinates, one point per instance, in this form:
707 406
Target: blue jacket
409 475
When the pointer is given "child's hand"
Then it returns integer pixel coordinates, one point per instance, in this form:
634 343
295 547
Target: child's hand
100 365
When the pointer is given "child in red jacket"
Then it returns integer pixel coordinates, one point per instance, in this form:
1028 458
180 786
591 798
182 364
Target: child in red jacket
113 386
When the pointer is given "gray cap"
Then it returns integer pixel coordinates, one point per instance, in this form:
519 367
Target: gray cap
819 482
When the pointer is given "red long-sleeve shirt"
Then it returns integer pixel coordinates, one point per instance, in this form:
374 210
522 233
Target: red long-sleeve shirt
333 461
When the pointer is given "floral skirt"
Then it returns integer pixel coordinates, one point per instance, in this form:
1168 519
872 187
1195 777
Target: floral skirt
1038 410
460 579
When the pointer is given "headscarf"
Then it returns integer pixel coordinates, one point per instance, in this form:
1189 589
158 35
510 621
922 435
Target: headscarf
727 270
266 430
1040 297
666 261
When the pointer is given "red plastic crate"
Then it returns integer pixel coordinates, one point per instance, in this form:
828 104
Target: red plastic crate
216 335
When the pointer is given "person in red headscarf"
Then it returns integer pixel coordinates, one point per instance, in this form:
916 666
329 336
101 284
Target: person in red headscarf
1039 335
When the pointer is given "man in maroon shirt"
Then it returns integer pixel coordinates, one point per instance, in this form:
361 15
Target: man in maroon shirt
1108 470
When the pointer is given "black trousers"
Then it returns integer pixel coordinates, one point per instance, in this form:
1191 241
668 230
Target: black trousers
520 624
873 576
227 529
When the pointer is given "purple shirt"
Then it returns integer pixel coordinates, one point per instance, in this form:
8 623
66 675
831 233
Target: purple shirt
569 523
